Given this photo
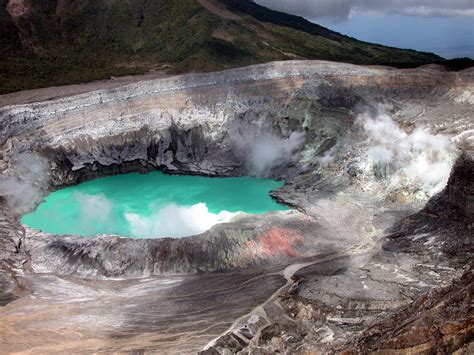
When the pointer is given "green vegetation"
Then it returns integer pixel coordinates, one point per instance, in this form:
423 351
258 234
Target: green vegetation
74 41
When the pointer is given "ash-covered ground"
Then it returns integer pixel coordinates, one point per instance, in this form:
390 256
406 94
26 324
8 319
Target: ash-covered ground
376 254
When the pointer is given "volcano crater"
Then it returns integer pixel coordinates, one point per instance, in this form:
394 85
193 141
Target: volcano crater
380 183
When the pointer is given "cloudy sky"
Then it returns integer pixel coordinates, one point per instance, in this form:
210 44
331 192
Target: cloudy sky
445 27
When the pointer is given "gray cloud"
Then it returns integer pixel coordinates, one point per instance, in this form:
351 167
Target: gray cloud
342 9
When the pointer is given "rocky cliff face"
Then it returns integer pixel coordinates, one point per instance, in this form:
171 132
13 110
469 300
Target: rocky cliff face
356 146
460 190
441 321
445 223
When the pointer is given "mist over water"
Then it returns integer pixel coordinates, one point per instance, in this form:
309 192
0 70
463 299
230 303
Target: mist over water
151 205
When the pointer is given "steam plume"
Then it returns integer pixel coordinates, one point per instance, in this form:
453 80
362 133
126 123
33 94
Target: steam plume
268 151
177 221
93 207
26 187
262 150
419 156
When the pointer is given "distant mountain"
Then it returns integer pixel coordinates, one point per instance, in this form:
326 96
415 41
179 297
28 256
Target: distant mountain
53 42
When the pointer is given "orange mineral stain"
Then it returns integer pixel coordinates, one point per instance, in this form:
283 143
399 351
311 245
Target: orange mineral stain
274 242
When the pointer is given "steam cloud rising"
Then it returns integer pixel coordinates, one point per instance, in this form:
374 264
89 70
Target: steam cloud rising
177 221
268 151
262 150
419 156
26 187
168 221
94 209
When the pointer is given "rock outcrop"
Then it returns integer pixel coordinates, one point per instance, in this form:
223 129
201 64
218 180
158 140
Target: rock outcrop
440 321
460 189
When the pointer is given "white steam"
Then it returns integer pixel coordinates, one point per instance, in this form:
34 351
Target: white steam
93 207
419 156
176 221
328 158
168 221
268 151
27 184
263 150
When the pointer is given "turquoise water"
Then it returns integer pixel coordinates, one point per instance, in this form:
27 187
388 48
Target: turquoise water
151 205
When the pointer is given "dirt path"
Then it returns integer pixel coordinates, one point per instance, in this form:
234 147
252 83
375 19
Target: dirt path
259 311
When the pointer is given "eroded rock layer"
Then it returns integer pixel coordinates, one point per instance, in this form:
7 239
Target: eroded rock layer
361 244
